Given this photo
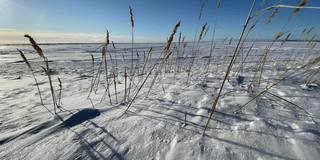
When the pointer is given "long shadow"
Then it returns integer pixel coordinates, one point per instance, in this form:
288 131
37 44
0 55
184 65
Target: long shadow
104 130
229 141
75 119
294 107
198 126
180 119
85 115
193 115
251 148
91 146
33 130
88 146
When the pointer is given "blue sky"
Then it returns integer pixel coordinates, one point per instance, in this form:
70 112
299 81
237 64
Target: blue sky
87 20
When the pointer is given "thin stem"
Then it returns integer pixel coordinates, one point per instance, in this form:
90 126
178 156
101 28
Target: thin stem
230 65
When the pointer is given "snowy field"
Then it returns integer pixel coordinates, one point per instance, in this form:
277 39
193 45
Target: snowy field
281 123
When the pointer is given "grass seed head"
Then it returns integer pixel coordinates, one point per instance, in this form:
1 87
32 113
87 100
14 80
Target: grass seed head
313 45
24 59
274 12
252 26
278 36
170 40
60 83
300 4
218 2
131 16
114 47
92 59
314 61
304 29
202 32
288 36
35 45
309 31
107 38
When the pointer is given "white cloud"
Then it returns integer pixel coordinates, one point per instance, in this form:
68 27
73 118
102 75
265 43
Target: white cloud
7 29
16 37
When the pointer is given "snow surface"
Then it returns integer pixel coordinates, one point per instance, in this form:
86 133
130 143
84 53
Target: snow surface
155 126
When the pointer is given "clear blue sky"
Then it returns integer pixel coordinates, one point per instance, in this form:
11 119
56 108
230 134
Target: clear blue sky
153 18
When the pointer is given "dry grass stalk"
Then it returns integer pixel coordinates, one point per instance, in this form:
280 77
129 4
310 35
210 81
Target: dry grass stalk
274 12
115 86
125 84
315 61
266 53
304 29
178 48
146 60
114 47
60 93
96 81
51 86
312 39
245 38
104 55
297 8
202 32
107 88
92 80
206 31
132 71
278 36
134 97
163 60
107 42
230 66
47 69
212 47
285 40
96 78
34 77
182 54
138 63
309 31
92 59
195 51
313 45
242 64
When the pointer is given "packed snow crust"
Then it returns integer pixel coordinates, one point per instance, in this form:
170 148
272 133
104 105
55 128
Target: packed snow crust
167 124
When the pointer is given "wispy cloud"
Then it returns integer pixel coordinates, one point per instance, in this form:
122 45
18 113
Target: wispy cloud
7 29
10 36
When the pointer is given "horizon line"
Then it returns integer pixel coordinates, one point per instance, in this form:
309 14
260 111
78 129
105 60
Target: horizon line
219 40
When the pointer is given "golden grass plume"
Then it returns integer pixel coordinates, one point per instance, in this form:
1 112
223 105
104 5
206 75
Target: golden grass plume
131 16
24 59
169 42
35 45
300 4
